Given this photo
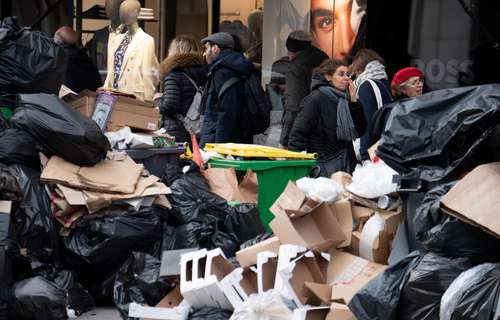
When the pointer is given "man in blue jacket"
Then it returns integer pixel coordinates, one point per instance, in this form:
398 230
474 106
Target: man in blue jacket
223 112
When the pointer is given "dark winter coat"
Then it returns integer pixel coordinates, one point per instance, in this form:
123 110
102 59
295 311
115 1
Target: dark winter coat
315 129
178 91
369 103
298 85
81 73
223 118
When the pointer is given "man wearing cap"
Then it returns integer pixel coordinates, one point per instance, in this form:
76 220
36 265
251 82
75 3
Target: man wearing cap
223 115
304 58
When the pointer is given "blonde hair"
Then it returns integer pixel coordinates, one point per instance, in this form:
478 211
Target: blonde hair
183 44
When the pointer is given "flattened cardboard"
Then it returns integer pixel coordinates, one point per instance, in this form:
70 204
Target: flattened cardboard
343 211
74 197
476 198
348 274
5 206
317 230
248 256
127 112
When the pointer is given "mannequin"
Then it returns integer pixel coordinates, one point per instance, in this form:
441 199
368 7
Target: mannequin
98 46
132 63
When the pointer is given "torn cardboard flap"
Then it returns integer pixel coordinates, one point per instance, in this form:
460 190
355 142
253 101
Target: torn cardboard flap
318 230
293 201
248 256
343 211
311 268
348 274
476 198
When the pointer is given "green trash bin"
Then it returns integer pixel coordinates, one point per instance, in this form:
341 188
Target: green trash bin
272 176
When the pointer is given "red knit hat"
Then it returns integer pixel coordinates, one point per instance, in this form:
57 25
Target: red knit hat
405 74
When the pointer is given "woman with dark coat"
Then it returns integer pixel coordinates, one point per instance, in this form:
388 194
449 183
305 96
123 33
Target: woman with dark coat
329 120
184 72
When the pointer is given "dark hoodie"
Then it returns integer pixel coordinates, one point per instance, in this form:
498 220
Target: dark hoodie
178 91
223 118
315 129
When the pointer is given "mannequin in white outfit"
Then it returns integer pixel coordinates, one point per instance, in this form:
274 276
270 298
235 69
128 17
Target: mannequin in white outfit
132 63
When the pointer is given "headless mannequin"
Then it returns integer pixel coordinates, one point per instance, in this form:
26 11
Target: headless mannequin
113 12
132 63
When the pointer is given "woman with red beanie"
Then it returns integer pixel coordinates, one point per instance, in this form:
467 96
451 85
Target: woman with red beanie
407 83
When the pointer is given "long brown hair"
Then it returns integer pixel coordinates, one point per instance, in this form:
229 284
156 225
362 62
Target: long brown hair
183 44
362 58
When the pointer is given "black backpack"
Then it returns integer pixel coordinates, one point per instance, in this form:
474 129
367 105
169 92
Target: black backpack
257 112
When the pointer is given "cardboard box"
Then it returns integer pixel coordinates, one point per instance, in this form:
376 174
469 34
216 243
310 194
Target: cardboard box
127 112
248 256
340 311
310 267
343 211
476 198
316 230
311 313
294 201
347 274
376 237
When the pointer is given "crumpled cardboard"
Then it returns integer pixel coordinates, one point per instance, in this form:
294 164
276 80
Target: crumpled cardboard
347 274
343 211
317 230
224 182
293 200
108 176
476 198
248 256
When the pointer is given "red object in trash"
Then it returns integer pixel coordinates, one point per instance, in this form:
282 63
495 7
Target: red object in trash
196 152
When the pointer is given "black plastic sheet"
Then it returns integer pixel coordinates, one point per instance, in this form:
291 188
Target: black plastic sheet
440 133
9 188
18 147
60 130
102 244
244 222
38 298
209 314
30 61
34 225
79 299
444 234
139 281
427 282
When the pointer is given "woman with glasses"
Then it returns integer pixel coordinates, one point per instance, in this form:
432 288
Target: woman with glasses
407 83
329 120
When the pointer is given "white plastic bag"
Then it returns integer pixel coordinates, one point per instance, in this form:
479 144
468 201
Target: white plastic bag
372 180
265 306
320 189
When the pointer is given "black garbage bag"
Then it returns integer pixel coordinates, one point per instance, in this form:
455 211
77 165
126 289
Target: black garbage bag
210 314
30 61
79 299
205 235
167 242
60 130
139 281
18 147
34 224
9 188
102 244
6 276
440 133
444 234
192 199
475 294
421 295
379 298
257 239
38 298
243 222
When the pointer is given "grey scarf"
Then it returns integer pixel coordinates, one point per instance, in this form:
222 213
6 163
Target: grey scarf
346 131
373 71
